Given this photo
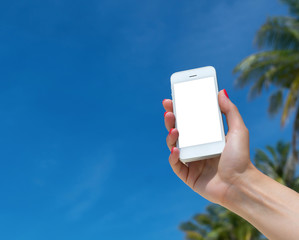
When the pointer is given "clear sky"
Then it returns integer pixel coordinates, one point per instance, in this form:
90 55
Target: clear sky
82 137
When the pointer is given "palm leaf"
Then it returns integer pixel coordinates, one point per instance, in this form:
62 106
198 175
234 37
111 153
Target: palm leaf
266 66
279 33
264 163
194 236
275 102
293 6
275 164
258 86
193 227
271 150
188 226
296 184
222 225
283 150
290 100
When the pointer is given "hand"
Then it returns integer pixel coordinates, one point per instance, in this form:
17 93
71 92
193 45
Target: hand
232 181
212 178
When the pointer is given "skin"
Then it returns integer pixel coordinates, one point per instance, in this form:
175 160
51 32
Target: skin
232 181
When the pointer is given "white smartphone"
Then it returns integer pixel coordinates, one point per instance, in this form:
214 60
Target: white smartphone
198 116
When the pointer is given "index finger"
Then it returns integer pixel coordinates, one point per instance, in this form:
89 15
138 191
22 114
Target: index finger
167 104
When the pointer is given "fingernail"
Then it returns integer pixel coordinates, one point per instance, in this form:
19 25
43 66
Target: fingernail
172 150
163 101
225 93
170 131
165 113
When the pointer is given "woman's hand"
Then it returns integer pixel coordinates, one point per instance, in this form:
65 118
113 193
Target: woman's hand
212 178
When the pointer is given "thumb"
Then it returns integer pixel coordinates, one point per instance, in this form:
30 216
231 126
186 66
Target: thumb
233 117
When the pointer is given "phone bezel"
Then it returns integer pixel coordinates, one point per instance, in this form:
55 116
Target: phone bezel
207 150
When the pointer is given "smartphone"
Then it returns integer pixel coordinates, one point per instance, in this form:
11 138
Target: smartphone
197 113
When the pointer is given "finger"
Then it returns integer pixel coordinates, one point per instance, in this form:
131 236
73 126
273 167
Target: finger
167 104
233 117
195 171
172 138
169 120
177 166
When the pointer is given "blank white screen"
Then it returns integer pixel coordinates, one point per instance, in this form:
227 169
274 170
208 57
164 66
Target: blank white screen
197 114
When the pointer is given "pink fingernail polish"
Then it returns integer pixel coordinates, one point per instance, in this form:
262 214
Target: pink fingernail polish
225 93
172 150
163 101
165 114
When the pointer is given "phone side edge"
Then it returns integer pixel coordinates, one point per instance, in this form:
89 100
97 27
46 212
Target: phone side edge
173 77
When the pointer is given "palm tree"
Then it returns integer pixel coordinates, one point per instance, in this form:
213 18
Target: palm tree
277 66
219 224
272 163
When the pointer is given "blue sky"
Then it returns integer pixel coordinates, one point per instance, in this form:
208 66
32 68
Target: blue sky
82 137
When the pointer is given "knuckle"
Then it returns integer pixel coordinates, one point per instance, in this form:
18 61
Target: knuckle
234 107
167 140
245 130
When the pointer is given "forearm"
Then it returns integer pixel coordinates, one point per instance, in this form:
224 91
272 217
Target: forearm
269 206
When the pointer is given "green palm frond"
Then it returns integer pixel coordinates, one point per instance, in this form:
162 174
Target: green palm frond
188 226
279 33
274 164
219 223
269 67
275 102
273 153
258 86
296 184
283 150
264 163
293 6
204 219
194 236
291 100
258 62
282 168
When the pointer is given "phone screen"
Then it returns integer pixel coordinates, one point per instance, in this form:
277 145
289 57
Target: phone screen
197 115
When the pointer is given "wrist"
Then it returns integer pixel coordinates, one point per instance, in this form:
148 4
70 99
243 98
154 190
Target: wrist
269 206
241 187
